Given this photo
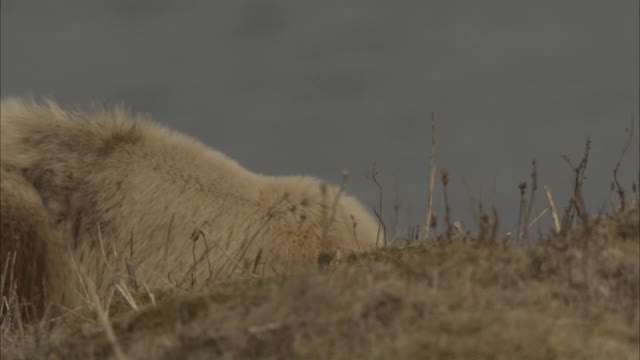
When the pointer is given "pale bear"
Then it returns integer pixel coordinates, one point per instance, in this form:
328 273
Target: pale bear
120 189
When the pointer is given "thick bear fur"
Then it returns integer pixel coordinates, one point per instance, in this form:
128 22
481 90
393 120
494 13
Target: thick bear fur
25 237
123 194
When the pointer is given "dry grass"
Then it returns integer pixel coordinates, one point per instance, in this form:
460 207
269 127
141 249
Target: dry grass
451 299
574 294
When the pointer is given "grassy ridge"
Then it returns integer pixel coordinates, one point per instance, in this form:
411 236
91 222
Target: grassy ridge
574 296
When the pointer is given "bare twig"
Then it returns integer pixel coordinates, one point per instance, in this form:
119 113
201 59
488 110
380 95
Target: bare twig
495 225
581 211
9 285
567 217
554 211
194 238
484 227
523 188
18 309
577 199
354 225
256 262
447 214
102 317
80 276
257 329
92 295
230 258
532 192
373 176
432 177
619 188
101 241
381 226
124 291
131 271
459 228
396 209
151 297
538 217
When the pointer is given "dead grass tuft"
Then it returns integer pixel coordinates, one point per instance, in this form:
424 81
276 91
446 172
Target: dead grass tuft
455 299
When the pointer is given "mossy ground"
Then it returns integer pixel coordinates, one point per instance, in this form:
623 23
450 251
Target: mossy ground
568 297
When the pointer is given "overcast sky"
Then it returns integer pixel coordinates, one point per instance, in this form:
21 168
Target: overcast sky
300 87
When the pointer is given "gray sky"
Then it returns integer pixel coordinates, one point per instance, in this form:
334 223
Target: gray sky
295 87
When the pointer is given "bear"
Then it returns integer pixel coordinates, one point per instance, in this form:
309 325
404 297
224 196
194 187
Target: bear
123 194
